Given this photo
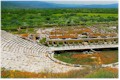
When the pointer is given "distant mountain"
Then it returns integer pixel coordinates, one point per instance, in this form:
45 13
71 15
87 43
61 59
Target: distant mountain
26 4
101 6
41 4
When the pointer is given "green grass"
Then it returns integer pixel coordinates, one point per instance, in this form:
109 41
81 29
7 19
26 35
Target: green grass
101 73
107 56
96 14
23 31
65 57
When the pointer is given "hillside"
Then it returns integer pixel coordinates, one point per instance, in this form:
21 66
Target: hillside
41 4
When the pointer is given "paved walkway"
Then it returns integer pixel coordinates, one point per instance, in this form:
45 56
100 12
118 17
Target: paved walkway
83 47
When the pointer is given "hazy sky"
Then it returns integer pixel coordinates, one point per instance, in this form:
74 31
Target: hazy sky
74 1
85 2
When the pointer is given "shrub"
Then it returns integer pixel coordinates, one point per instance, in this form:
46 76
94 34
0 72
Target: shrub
43 40
102 73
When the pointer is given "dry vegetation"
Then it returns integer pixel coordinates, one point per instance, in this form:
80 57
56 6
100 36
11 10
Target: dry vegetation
86 73
102 57
104 73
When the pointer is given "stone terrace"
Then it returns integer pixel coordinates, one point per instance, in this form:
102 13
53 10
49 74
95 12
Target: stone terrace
20 54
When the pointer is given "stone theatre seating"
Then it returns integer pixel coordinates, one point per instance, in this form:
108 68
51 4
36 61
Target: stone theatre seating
24 55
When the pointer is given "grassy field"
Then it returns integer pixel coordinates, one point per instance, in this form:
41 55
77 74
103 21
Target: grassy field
24 31
100 57
86 73
104 73
12 19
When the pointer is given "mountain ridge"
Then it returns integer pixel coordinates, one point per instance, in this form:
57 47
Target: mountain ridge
42 4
